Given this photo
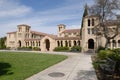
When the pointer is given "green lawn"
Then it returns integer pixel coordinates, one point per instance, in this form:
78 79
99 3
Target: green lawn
18 66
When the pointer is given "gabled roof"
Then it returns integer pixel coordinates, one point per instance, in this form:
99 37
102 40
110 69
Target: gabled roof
11 32
71 31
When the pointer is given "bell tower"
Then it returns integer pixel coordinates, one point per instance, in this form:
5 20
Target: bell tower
23 32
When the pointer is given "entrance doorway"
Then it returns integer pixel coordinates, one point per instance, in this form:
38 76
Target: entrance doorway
19 42
47 42
90 44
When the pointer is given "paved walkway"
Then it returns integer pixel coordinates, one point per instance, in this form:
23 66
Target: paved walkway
77 67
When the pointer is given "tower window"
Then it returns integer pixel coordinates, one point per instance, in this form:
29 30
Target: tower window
93 22
88 22
88 30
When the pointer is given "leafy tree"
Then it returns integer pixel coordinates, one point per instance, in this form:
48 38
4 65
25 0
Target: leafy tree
106 10
2 42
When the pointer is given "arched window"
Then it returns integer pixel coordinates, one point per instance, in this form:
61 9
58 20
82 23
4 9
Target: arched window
119 43
93 22
58 43
90 44
66 44
28 43
74 43
39 43
61 43
69 43
78 43
113 43
88 22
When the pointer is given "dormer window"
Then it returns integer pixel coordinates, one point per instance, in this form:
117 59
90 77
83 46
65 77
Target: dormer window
88 22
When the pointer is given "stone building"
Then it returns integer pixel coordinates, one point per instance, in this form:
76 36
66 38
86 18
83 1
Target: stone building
25 37
92 39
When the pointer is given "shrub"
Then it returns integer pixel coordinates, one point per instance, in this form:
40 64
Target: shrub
36 49
103 54
100 48
116 50
61 49
24 48
76 49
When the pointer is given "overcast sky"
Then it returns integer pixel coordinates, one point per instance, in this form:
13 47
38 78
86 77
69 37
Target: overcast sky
41 15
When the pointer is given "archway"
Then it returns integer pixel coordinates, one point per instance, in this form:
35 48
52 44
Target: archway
19 43
47 44
90 44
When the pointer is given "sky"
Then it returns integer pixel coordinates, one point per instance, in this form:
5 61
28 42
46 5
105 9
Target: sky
41 15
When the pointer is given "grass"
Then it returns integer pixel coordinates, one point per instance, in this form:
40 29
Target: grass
18 66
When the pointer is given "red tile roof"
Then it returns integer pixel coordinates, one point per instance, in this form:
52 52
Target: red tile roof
67 38
44 34
23 25
71 31
11 32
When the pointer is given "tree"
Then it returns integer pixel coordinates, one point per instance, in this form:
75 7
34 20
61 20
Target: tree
106 10
84 14
2 42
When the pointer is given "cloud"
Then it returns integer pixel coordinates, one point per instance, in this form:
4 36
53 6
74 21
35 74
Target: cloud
45 21
12 8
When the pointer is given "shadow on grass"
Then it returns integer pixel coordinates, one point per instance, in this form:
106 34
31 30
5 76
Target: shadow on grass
5 69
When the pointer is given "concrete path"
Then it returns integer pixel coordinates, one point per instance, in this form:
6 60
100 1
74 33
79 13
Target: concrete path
77 67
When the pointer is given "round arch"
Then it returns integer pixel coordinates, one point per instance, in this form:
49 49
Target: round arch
90 44
47 43
119 43
19 43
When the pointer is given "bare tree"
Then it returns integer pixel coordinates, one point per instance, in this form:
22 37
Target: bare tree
106 10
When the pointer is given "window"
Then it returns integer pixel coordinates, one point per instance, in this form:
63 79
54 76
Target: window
75 43
92 30
88 30
119 43
66 44
114 43
88 22
69 43
78 43
19 34
20 29
93 22
61 44
58 43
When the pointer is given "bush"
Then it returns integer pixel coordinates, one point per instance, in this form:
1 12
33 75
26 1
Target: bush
116 50
61 49
103 54
36 49
76 49
100 48
24 48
